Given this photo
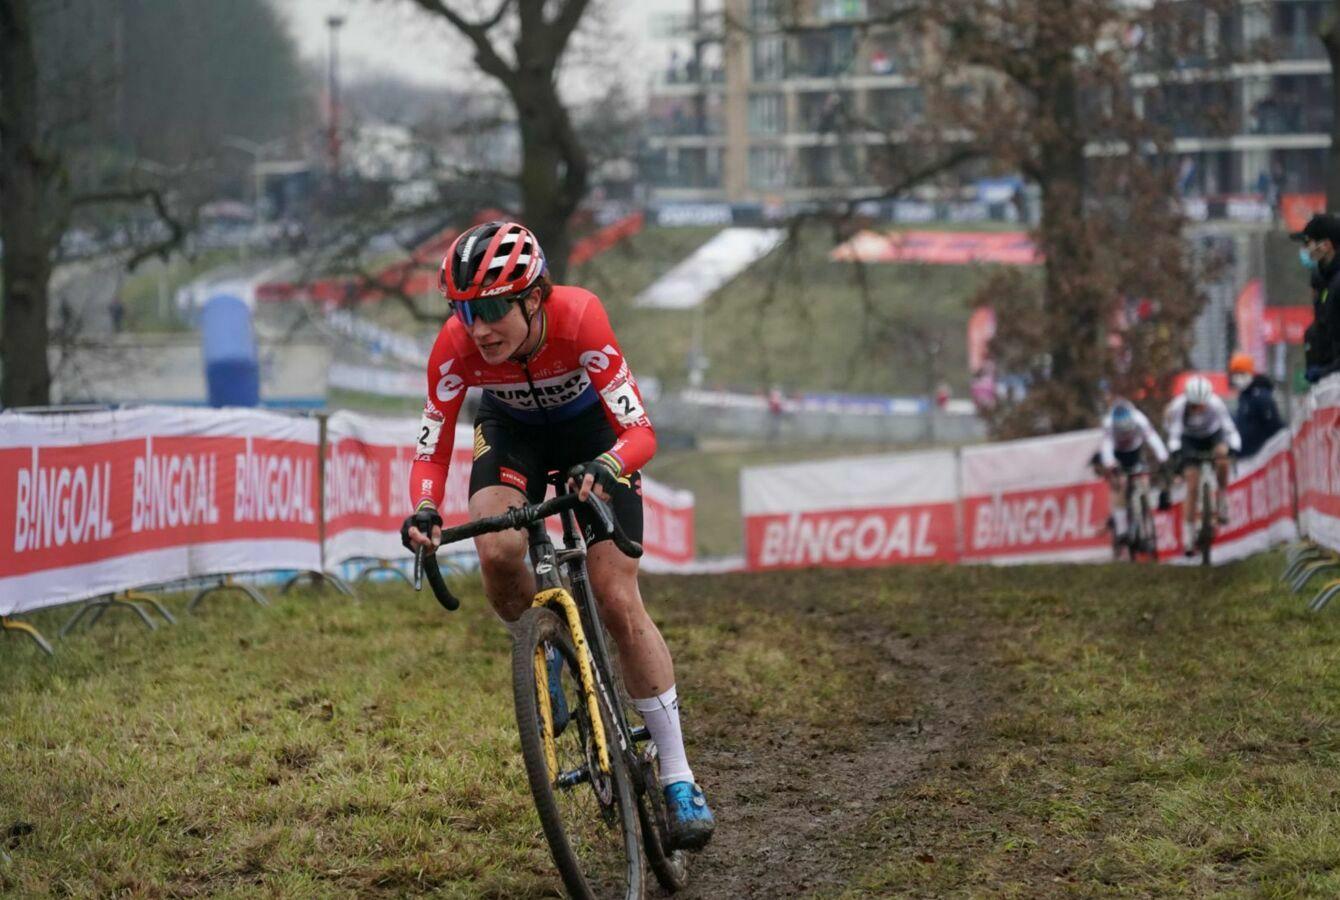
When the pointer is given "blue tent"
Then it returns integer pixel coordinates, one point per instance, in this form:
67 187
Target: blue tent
232 373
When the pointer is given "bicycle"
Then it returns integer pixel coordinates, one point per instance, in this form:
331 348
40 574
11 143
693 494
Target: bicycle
1141 536
595 778
1207 529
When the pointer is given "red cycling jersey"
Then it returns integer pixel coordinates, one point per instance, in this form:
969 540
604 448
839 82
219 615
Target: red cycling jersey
576 364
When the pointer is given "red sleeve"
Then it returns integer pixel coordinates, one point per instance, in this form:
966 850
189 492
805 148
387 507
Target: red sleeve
599 354
437 428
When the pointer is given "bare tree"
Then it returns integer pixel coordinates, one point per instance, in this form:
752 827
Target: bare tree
554 164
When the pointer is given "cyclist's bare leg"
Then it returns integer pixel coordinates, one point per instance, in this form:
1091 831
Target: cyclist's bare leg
503 563
1116 482
1221 465
1191 506
643 655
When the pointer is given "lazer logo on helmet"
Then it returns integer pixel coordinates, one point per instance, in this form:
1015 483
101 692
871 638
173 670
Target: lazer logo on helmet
496 290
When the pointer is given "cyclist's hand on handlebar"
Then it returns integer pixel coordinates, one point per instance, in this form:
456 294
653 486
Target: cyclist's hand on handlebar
594 475
423 528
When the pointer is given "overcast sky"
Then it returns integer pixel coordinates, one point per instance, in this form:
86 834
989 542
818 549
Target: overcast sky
393 37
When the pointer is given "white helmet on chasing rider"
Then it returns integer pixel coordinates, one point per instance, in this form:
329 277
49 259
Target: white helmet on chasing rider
1198 390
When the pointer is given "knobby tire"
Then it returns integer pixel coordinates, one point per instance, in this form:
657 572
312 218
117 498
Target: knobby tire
598 853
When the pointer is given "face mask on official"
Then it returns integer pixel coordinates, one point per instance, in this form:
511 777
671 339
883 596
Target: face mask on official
1240 380
1305 257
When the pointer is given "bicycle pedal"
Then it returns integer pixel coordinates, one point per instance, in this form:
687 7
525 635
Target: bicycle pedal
640 734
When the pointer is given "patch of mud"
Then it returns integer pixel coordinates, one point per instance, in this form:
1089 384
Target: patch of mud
796 816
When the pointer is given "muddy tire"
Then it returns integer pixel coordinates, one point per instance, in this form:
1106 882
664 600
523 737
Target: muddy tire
590 819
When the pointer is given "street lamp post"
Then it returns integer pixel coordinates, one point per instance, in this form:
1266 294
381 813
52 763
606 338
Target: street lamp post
333 91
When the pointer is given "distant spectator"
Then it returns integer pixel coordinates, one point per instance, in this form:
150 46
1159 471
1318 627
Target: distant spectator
117 311
776 409
942 395
1257 416
1320 237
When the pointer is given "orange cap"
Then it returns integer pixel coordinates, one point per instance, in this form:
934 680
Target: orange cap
1241 364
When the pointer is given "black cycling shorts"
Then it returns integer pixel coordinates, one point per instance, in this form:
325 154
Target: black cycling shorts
1198 447
520 455
1129 460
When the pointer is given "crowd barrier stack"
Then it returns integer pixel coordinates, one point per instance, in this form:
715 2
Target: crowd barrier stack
1317 461
99 506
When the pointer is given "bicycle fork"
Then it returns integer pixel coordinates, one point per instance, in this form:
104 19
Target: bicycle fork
558 597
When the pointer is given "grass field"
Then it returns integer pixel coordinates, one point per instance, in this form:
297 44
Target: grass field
1023 732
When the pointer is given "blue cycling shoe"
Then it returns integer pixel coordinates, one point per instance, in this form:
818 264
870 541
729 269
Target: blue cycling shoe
558 704
691 821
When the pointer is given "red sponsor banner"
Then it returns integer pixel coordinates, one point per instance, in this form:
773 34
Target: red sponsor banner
226 490
1036 521
1249 310
1296 209
367 494
1317 457
877 536
1284 325
981 329
1013 248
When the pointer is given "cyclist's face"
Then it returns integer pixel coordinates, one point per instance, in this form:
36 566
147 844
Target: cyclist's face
499 341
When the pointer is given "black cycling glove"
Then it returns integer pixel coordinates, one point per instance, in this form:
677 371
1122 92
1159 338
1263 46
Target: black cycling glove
423 519
600 469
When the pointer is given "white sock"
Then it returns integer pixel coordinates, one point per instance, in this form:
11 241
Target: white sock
662 717
1119 521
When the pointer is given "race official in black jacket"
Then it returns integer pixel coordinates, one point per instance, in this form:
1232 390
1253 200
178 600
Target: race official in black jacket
1320 238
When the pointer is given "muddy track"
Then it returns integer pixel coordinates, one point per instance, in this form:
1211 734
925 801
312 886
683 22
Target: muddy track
795 815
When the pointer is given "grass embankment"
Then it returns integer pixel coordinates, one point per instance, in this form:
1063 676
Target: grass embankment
1015 732
793 319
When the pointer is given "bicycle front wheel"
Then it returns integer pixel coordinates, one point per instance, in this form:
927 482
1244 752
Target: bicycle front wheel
588 813
1206 523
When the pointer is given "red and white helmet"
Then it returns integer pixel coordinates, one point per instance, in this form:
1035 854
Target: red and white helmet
491 260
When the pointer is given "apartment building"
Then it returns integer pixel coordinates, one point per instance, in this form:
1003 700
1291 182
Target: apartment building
758 115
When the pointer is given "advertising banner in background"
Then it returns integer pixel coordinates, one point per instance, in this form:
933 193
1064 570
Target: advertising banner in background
1317 454
95 503
367 494
367 484
867 511
1034 500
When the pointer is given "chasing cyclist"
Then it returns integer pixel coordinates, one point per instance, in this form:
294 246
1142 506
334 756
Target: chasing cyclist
1200 427
557 396
1127 437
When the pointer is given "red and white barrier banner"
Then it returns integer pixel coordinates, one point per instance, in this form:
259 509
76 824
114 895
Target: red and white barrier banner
367 494
1260 509
367 484
1317 455
95 503
1034 500
869 511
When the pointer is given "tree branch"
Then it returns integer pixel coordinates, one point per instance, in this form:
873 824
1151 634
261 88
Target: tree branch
486 55
161 249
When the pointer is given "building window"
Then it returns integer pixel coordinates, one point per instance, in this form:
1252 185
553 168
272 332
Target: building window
767 168
767 114
769 58
839 10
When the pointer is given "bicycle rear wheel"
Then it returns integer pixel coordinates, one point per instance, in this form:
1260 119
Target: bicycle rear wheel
1149 532
589 817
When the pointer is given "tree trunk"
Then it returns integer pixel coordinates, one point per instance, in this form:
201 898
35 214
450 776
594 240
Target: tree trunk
25 225
1072 302
553 166
1331 38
